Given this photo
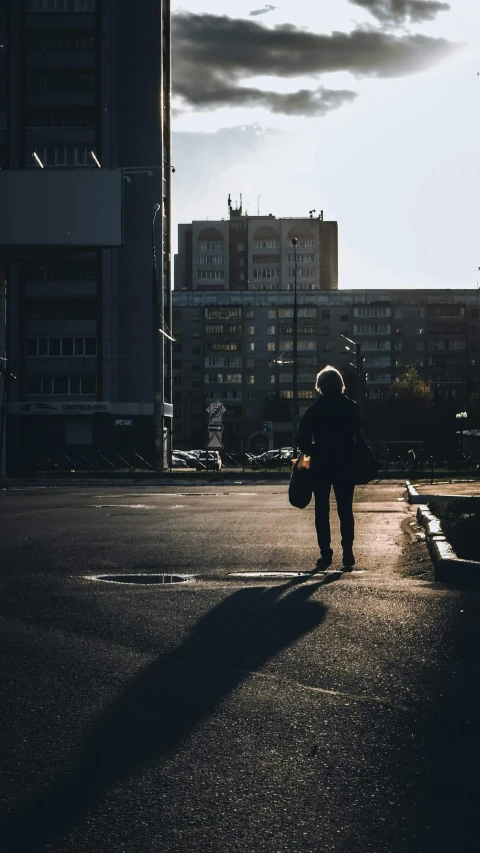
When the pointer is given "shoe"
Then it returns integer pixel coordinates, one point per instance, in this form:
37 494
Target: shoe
348 559
324 561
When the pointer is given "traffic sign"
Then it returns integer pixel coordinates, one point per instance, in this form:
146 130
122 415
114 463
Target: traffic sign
215 412
215 442
215 427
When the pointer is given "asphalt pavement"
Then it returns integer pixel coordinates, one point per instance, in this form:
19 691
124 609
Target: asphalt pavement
312 712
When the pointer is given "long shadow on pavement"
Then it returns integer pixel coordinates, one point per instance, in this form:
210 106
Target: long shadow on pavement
167 700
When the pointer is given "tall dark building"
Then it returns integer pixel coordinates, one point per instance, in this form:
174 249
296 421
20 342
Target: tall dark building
84 201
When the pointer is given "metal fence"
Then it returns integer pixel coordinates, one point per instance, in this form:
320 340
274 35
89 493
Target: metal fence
94 461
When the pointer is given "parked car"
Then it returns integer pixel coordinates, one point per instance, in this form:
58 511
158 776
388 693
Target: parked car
209 460
190 458
280 458
177 462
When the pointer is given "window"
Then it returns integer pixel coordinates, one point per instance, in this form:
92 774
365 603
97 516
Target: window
301 273
210 245
224 346
303 394
222 313
177 364
61 117
250 330
266 259
60 5
235 329
344 318
60 80
272 313
240 247
250 363
61 40
210 275
61 386
271 346
266 244
371 311
249 314
398 346
267 273
63 155
301 259
177 347
398 313
249 412
213 329
272 330
301 244
60 309
250 379
371 328
210 260
251 346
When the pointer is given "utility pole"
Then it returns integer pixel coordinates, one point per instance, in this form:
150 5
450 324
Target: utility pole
295 351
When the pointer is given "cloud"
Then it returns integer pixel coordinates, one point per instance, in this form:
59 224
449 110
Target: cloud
267 8
213 54
398 12
304 102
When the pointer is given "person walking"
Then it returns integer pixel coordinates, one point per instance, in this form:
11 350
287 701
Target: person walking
328 432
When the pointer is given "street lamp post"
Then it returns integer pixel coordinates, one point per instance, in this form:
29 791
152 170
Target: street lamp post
157 347
294 353
357 352
460 416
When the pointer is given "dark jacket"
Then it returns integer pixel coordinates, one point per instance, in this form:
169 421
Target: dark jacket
327 432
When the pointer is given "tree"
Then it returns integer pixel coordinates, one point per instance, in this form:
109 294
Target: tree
411 387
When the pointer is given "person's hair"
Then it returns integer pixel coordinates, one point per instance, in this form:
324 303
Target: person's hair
330 381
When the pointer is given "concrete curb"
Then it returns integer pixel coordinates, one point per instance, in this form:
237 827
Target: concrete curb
412 495
447 566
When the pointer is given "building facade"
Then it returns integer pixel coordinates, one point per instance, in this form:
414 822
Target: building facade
84 202
256 253
235 347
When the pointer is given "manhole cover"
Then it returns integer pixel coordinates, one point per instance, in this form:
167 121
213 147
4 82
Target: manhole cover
267 574
144 578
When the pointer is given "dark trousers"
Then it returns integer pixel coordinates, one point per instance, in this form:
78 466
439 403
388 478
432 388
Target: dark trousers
344 497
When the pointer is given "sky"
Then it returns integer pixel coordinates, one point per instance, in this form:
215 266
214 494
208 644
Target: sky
365 109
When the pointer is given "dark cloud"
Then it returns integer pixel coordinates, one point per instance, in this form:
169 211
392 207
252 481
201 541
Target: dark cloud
398 12
213 54
304 102
267 8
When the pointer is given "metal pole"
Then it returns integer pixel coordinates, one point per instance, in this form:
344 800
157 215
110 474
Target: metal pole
294 351
157 361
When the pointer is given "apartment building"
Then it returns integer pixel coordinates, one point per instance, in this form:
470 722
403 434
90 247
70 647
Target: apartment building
85 166
256 253
236 347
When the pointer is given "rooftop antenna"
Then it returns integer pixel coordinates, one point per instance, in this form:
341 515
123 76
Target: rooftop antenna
311 212
229 203
320 216
258 204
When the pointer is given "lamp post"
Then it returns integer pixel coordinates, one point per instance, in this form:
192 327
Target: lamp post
460 416
357 352
157 359
294 353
